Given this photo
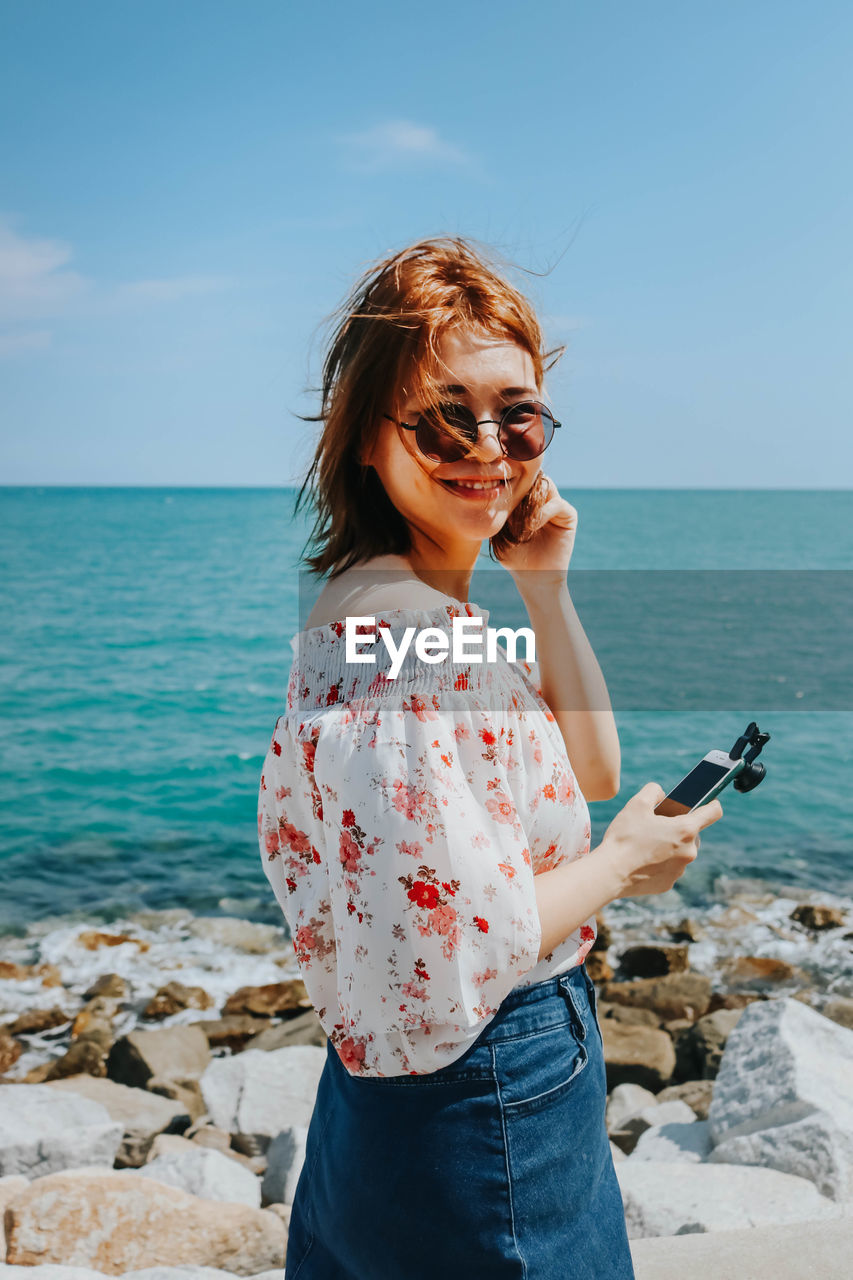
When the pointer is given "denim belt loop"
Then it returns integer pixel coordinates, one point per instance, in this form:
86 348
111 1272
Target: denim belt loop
566 987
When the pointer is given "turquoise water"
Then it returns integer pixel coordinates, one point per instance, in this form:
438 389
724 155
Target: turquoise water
145 653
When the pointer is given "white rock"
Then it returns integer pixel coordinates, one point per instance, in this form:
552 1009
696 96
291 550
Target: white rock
260 1094
802 1251
141 1114
285 1158
667 1199
624 1101
9 1188
43 1130
691 1142
782 1062
206 1173
784 1095
814 1148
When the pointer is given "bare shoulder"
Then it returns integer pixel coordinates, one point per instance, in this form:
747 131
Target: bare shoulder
385 582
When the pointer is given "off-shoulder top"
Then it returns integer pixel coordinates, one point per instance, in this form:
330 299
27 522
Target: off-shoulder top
401 822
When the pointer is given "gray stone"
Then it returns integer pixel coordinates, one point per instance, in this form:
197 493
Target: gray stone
624 1101
674 1198
814 1148
285 1158
699 1048
169 1053
674 1141
259 1094
205 1173
43 1131
141 1114
306 1028
806 1251
786 1076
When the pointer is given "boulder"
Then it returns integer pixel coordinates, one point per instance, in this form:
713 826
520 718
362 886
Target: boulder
169 1053
699 1047
624 1101
814 1147
142 1115
696 1093
237 934
233 1032
306 1028
206 1173
803 1251
259 1094
112 985
43 1130
636 1055
285 1158
674 1141
817 918
839 1009
674 1198
84 1057
34 1021
186 1093
636 1017
10 1050
677 995
652 961
632 1127
174 997
760 971
785 1084
10 1189
119 1222
598 966
275 998
686 930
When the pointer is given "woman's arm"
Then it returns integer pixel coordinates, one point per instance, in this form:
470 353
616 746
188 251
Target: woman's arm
573 687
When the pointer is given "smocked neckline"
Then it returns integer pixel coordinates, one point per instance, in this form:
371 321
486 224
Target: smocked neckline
449 610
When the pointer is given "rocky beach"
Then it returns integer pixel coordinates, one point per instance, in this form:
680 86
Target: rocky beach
158 1073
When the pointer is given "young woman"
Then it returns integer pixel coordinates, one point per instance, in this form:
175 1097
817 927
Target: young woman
427 834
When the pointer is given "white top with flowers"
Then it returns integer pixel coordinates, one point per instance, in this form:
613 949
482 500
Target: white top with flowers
401 822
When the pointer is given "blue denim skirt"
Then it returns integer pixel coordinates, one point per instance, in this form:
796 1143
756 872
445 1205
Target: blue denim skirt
497 1167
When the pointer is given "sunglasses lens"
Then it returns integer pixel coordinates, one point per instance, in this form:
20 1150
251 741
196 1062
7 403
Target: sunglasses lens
527 430
435 442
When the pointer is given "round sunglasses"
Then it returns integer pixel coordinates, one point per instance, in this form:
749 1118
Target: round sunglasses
524 431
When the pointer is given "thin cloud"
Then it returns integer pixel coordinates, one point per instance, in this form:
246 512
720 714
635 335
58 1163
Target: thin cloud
34 279
13 344
397 143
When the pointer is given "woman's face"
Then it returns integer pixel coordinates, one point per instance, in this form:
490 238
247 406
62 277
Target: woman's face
487 374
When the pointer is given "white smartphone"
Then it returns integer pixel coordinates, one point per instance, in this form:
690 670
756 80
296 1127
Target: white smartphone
700 785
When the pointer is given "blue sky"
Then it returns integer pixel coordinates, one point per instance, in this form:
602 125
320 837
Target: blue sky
188 188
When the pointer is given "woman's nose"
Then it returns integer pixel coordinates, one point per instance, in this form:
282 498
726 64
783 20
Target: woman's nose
488 445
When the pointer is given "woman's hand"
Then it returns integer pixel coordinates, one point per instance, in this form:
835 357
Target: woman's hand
647 851
548 552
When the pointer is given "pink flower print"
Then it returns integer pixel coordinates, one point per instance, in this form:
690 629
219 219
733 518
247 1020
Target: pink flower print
443 919
351 1054
304 943
410 801
507 869
348 818
461 732
480 840
272 842
350 853
308 752
565 789
413 991
296 840
486 976
482 925
414 850
501 807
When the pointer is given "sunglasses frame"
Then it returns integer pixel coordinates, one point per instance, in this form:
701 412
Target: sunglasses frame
413 426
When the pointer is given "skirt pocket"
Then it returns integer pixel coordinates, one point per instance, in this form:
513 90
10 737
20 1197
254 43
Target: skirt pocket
537 1069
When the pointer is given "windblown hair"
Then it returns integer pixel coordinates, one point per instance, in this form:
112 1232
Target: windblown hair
383 351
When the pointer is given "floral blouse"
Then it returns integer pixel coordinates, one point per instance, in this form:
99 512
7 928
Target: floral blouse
401 822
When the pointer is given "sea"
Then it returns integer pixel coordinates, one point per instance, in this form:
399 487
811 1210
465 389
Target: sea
144 657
